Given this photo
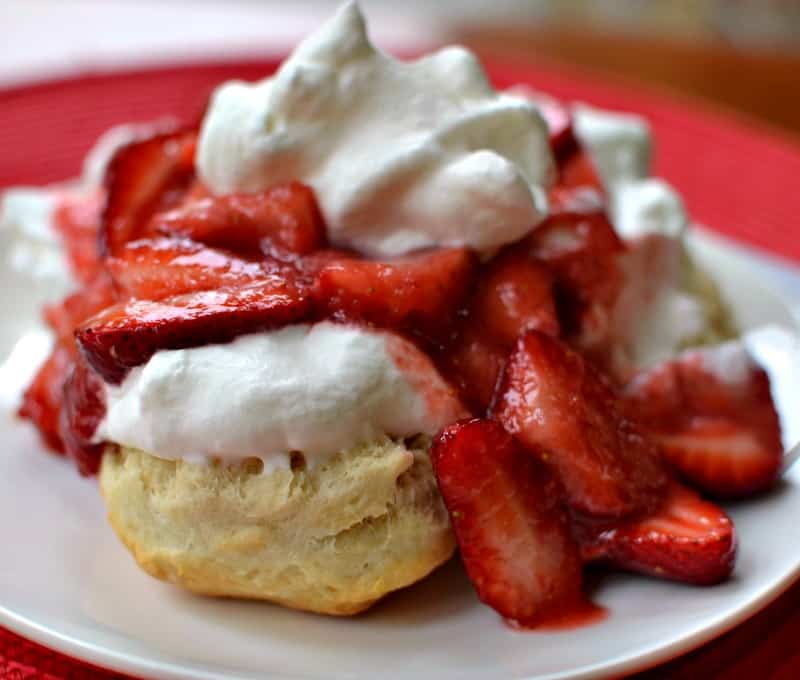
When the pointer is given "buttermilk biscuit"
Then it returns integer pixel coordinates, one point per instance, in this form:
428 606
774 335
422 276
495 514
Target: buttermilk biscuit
332 539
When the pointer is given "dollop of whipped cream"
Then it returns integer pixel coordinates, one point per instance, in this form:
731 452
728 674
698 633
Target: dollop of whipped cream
30 242
620 144
656 314
316 389
401 155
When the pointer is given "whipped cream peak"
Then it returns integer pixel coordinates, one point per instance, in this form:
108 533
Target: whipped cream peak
620 143
317 389
401 155
647 206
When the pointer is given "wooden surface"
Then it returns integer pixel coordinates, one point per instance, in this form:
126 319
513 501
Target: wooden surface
762 84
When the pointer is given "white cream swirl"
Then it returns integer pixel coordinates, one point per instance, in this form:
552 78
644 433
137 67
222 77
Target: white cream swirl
313 389
401 155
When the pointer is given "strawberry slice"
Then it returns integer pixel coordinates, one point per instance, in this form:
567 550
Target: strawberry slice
419 292
474 363
144 177
41 402
77 220
283 218
514 295
712 413
561 409
582 250
152 269
83 410
509 521
576 169
73 310
128 334
687 539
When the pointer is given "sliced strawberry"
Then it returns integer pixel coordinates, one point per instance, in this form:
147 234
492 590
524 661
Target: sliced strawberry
474 363
514 295
73 310
719 431
562 410
283 217
510 523
128 334
576 169
687 539
41 402
419 292
582 250
84 408
77 219
152 269
145 177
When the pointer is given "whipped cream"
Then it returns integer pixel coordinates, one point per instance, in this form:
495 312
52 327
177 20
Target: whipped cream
315 389
30 243
730 362
647 206
655 315
620 144
401 155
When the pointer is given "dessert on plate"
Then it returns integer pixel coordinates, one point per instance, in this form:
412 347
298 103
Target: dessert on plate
371 311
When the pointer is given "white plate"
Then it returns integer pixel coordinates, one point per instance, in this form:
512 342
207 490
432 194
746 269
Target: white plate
66 581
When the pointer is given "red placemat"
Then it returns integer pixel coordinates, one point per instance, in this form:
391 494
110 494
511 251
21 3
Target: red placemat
736 178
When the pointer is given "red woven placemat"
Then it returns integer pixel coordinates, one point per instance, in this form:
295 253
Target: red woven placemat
736 177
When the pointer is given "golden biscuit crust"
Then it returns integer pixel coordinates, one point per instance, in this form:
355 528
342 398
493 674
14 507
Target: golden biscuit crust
332 539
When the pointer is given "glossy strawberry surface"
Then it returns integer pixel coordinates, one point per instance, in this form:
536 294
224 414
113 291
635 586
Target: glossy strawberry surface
128 334
686 539
284 217
511 526
144 177
721 433
565 414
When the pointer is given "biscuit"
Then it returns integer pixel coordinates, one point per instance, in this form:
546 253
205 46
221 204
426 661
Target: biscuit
333 538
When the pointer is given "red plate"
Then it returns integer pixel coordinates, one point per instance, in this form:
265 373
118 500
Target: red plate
736 178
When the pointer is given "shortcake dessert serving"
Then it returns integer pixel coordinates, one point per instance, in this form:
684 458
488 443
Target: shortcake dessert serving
374 310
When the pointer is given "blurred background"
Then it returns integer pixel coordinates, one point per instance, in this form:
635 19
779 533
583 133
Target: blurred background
742 55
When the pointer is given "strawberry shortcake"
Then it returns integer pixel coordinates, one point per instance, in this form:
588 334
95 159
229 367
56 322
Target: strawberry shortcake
372 310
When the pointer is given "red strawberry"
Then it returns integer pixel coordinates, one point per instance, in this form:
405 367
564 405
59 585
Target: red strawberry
158 268
511 526
283 217
128 334
582 250
41 402
84 408
474 364
65 316
576 169
562 410
514 295
719 431
145 177
77 219
419 292
687 539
